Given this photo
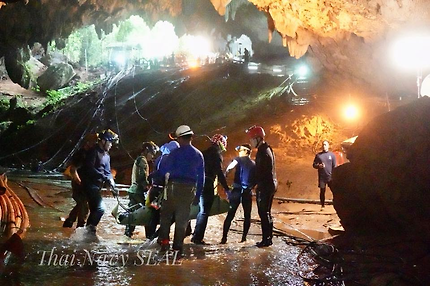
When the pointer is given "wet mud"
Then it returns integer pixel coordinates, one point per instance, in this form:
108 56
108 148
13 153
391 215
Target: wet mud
68 256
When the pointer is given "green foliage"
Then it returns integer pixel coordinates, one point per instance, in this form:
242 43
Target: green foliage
83 46
125 29
4 103
20 103
55 97
28 123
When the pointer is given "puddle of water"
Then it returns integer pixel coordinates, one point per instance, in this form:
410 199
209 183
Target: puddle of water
62 256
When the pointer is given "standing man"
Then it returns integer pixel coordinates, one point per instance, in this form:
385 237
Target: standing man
244 178
184 170
140 183
96 172
155 193
80 211
324 162
213 170
265 178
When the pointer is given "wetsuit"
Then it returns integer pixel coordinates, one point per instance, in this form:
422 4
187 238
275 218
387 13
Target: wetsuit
265 176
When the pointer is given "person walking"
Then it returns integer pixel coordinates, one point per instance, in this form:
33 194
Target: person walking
324 162
184 171
266 182
80 210
213 170
96 172
140 183
157 187
244 178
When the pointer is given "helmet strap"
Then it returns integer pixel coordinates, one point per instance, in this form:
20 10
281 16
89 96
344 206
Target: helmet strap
259 141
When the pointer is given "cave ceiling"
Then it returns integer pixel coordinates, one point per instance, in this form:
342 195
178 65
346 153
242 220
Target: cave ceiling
348 40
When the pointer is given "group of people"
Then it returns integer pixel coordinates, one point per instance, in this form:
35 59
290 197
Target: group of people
180 177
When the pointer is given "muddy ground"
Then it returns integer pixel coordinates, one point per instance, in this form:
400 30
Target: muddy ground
213 264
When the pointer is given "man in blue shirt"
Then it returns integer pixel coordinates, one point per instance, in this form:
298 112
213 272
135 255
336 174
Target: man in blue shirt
184 170
96 172
324 162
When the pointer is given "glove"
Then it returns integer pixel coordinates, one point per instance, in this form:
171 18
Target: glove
115 192
111 183
196 201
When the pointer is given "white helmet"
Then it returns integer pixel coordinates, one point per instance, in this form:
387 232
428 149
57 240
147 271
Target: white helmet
184 130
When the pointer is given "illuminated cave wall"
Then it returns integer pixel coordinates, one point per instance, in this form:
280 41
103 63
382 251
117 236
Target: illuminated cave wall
349 39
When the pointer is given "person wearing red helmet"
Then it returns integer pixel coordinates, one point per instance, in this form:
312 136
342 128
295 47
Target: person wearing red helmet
213 170
266 182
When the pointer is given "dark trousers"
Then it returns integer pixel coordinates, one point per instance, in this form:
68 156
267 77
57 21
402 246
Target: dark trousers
264 203
322 186
80 210
206 201
95 203
133 199
238 196
150 229
176 206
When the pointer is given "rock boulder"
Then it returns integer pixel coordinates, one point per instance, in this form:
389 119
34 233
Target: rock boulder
56 76
386 186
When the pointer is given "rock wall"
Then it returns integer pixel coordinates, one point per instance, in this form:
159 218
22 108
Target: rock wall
386 186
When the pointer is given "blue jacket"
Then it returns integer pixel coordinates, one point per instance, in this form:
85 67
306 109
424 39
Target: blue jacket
96 168
185 165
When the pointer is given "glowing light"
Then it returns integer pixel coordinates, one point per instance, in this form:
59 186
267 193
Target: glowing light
163 40
195 46
277 70
193 63
302 71
253 66
120 59
412 52
351 112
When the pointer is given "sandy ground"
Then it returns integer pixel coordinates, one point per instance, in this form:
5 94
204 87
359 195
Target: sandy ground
8 89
